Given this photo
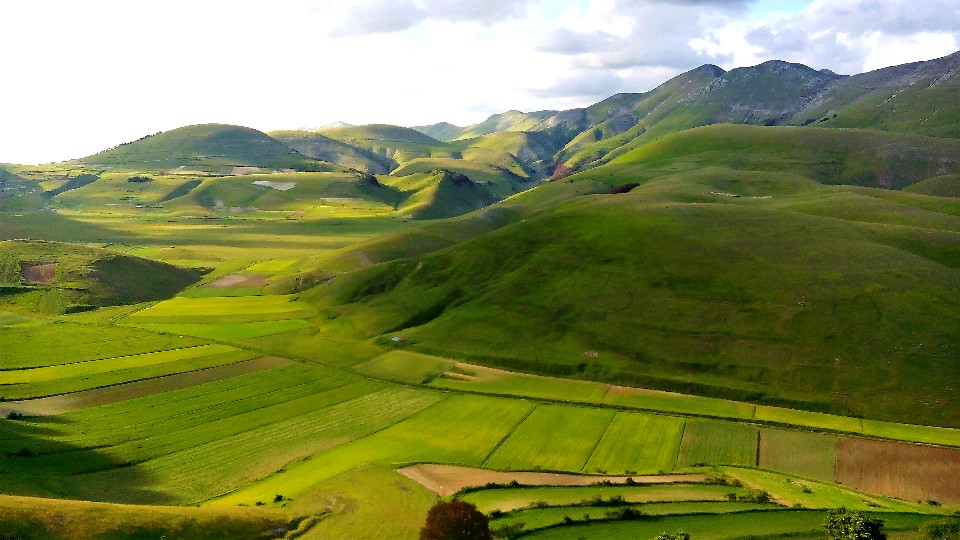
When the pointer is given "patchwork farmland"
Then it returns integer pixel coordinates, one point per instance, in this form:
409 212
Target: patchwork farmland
677 324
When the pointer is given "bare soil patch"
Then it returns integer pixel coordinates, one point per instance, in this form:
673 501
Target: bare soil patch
903 470
238 280
448 479
279 186
41 273
102 396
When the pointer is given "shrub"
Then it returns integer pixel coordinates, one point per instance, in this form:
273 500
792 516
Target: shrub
941 529
843 524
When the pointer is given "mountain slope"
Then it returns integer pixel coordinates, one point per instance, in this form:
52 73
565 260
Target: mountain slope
713 276
320 147
918 98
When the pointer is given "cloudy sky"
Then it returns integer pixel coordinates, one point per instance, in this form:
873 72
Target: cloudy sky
82 76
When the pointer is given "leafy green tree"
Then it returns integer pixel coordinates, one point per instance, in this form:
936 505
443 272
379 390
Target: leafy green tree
942 529
456 520
843 524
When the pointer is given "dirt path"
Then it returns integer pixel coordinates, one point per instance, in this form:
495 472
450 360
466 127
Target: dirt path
238 280
449 479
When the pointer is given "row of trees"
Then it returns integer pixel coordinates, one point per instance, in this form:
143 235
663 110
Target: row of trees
460 520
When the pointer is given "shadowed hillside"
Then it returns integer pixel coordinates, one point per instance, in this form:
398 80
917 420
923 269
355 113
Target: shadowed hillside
52 277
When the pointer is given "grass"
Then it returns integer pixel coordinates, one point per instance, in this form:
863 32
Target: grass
423 437
212 307
546 441
637 442
37 345
807 418
547 295
812 494
25 517
207 148
506 499
406 367
475 378
717 443
372 501
679 403
229 331
710 527
46 381
540 518
84 277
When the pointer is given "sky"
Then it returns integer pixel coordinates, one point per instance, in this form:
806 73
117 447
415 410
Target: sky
82 76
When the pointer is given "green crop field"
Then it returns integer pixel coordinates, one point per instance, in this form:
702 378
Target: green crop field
552 438
539 518
405 366
812 494
754 524
637 443
812 455
38 345
716 443
511 499
228 331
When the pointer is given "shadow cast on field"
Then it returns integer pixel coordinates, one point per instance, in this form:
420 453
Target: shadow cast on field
38 459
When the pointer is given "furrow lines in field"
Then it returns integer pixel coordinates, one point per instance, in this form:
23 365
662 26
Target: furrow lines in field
507 435
600 440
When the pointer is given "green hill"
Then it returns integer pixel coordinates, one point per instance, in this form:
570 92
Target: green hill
53 277
442 194
915 98
726 276
508 121
216 148
18 194
326 149
829 156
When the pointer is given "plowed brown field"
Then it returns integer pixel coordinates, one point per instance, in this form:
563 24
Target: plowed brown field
906 471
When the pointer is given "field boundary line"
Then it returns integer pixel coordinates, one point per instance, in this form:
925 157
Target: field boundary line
344 443
149 305
233 401
756 462
683 431
130 381
117 357
600 440
508 435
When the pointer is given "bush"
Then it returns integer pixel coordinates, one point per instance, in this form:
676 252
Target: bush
624 514
941 529
457 520
679 536
843 524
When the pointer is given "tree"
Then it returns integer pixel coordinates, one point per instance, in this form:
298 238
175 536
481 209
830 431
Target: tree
457 520
843 524
942 529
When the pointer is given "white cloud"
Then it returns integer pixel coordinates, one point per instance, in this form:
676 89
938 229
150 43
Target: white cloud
83 76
